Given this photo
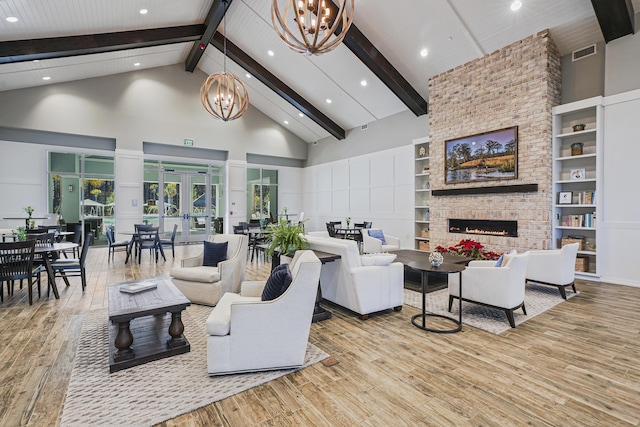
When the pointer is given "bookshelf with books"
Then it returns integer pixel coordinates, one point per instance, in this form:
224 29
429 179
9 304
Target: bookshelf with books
422 194
577 179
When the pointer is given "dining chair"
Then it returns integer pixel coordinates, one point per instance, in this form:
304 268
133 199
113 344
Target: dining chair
171 242
39 266
77 236
16 263
113 244
66 267
147 238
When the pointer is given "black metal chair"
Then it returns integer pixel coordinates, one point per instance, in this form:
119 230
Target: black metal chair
113 244
172 241
331 229
66 267
16 263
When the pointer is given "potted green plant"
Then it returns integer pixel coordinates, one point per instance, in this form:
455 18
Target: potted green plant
284 239
20 233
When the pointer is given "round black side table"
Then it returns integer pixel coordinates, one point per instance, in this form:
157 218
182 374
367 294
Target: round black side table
425 267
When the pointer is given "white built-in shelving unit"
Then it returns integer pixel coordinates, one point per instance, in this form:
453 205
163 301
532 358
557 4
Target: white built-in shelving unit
577 178
422 193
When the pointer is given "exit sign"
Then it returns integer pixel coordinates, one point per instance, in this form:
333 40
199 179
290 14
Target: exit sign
188 142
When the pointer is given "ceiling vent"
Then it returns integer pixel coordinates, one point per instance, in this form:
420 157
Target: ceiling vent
314 143
364 127
583 53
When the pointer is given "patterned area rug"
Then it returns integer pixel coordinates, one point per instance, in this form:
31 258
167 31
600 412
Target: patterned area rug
537 299
154 392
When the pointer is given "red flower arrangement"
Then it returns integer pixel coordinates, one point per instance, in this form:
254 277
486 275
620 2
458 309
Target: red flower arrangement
469 248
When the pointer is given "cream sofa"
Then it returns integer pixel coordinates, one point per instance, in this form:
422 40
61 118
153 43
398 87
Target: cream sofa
248 334
363 289
206 285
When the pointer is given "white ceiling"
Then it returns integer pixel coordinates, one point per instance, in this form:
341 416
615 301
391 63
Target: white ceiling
453 31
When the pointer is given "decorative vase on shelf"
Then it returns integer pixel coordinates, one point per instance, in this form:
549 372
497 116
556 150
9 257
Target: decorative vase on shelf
436 259
576 148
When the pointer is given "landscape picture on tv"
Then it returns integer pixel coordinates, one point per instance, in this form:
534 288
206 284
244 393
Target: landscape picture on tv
482 157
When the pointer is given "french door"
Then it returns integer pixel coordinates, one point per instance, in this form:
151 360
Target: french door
186 202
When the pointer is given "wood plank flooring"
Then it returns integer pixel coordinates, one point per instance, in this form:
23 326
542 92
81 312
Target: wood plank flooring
576 365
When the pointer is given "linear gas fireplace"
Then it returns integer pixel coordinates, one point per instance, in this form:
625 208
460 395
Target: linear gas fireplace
484 226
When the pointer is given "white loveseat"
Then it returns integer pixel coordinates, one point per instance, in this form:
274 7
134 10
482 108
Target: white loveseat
248 334
206 285
363 289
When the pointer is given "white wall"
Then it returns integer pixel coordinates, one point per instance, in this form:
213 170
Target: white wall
623 63
394 131
619 218
156 105
375 187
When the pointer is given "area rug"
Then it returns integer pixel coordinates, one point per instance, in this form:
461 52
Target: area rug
537 299
154 392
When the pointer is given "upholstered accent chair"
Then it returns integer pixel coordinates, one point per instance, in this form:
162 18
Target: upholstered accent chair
371 244
498 287
554 268
248 334
206 284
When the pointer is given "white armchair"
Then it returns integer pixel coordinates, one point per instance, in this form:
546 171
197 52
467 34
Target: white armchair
371 245
554 267
497 287
206 285
247 334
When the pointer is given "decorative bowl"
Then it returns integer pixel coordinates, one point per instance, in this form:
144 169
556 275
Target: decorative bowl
436 259
578 127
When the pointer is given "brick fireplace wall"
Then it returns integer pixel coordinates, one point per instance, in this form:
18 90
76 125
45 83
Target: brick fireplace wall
514 86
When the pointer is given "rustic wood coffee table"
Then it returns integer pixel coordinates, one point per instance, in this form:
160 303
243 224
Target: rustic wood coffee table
147 325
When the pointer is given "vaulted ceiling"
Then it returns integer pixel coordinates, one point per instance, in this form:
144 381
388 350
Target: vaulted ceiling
68 40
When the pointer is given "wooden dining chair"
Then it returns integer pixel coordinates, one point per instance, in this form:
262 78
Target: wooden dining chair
115 244
16 263
66 267
148 238
171 242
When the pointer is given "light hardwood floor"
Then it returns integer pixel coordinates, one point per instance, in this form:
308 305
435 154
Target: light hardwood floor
577 364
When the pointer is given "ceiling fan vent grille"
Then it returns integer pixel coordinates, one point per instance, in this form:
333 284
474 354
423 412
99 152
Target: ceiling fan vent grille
584 52
364 127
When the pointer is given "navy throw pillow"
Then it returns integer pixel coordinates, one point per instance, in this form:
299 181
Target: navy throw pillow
214 253
378 235
277 283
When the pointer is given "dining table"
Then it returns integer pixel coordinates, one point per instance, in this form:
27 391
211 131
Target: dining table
134 236
47 252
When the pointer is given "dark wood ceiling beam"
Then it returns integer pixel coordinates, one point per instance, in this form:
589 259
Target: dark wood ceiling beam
615 18
211 23
370 56
382 68
61 47
276 85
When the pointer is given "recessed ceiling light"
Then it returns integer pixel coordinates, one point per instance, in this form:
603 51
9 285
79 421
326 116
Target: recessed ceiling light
286 122
137 64
301 115
363 83
329 101
248 75
12 19
424 52
516 5
449 38
270 53
143 11
46 78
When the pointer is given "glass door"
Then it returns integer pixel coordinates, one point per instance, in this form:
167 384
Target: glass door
186 202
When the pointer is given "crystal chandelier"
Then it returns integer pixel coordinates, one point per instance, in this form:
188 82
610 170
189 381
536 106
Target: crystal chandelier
230 97
313 23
